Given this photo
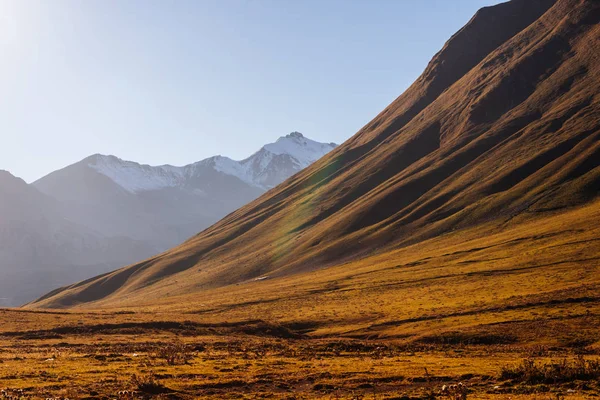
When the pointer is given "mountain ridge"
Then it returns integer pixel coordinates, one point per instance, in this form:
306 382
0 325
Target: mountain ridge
40 248
166 204
134 177
104 212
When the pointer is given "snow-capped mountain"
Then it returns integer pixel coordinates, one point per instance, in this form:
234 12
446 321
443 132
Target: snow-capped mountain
275 162
265 169
104 212
165 205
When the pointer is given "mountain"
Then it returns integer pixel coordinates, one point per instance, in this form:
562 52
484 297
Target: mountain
275 162
264 169
495 146
164 205
40 248
103 212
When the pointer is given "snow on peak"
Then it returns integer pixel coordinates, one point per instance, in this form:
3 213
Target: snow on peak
264 169
231 167
304 150
135 177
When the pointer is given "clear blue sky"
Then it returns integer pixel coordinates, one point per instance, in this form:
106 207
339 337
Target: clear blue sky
177 81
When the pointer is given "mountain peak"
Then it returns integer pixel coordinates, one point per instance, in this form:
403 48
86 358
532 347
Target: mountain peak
296 135
5 173
100 158
294 150
10 183
304 150
275 162
6 176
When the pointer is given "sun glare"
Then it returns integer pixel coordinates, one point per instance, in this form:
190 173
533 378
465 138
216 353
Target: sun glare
8 22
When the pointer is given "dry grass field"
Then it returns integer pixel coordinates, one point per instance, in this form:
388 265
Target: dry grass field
511 313
167 359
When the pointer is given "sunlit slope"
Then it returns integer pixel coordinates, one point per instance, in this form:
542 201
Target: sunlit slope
535 282
501 129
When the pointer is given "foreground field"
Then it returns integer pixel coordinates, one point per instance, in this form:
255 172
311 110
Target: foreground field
156 357
512 311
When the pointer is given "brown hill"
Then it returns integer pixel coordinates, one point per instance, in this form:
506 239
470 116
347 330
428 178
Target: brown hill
499 135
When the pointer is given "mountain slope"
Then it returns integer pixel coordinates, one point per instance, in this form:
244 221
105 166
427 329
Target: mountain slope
502 128
40 249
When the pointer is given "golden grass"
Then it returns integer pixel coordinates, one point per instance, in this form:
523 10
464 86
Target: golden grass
230 364
402 323
540 268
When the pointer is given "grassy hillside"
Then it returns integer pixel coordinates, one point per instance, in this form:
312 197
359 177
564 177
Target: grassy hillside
506 280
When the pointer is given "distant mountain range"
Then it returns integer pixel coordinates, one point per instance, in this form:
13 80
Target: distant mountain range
103 212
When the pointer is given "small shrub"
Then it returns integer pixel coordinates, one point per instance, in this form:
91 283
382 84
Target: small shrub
147 383
176 353
532 372
538 351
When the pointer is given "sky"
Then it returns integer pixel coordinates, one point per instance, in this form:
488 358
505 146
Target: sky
176 81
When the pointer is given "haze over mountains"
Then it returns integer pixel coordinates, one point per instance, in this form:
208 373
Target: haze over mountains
103 212
501 129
